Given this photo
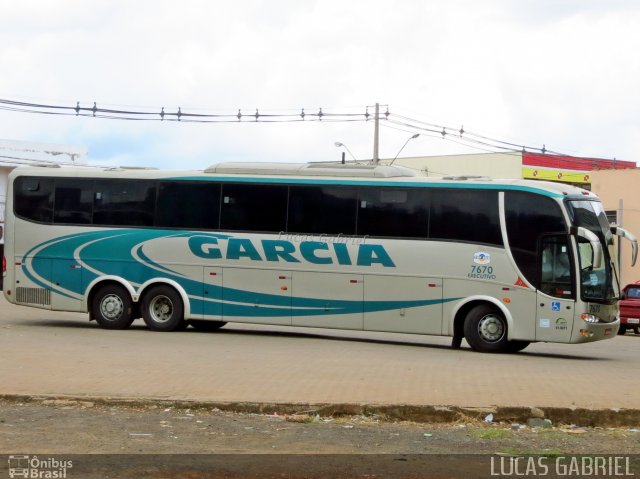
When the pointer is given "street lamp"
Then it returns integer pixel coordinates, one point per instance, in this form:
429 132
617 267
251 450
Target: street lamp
337 144
413 137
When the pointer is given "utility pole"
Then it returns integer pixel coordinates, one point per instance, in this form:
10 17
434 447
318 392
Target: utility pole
376 138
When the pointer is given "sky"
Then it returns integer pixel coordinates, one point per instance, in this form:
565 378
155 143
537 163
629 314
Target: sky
559 73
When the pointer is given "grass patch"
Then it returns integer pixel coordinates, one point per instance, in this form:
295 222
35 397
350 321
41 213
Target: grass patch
491 433
531 452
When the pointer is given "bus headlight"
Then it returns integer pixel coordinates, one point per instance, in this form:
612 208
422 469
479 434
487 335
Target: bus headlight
590 318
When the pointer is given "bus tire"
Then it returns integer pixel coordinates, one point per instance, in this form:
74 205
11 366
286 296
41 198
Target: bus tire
517 345
205 325
485 329
162 309
622 330
112 307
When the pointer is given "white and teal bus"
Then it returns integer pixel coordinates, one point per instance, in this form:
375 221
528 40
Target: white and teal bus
500 263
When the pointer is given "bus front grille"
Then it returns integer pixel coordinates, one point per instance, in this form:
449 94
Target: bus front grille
33 296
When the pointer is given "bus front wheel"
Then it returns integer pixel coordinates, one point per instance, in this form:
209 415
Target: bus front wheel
162 309
112 307
485 329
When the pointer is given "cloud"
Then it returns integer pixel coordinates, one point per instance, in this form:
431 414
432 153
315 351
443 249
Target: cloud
560 73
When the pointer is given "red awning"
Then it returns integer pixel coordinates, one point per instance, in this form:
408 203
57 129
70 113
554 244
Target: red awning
565 162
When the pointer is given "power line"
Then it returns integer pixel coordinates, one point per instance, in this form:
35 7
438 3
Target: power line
178 114
412 125
448 138
462 136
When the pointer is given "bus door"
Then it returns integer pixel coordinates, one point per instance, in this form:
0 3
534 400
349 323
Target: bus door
556 293
257 296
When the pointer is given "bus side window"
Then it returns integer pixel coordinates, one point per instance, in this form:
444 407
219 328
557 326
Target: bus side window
250 207
124 202
33 198
465 215
555 268
393 212
188 205
528 217
73 201
320 209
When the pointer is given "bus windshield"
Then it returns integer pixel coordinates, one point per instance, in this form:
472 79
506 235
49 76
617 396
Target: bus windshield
597 284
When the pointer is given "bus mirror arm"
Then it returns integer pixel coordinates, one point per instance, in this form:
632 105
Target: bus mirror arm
592 238
618 231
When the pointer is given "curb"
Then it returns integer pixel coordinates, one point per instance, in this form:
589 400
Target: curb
416 413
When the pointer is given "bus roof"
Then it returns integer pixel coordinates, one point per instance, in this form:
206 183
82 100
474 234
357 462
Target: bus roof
311 173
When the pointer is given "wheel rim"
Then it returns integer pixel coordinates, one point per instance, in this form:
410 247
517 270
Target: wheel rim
491 328
111 307
161 309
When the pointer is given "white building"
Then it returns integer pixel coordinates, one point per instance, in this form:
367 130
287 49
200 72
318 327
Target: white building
16 153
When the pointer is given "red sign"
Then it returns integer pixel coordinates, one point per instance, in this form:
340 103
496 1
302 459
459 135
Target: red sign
565 162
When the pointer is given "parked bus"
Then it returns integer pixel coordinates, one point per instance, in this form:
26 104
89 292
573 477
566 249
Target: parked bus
500 263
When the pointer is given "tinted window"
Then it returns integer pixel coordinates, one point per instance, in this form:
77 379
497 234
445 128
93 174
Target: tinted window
322 210
254 207
188 205
124 202
73 201
393 212
556 270
33 198
465 215
529 217
591 215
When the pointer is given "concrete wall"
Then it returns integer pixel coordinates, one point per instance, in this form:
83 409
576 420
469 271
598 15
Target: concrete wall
619 191
493 165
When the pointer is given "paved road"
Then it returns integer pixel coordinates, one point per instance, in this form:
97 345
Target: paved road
53 353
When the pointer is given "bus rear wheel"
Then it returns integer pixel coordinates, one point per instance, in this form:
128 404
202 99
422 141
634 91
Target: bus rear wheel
485 329
162 309
112 307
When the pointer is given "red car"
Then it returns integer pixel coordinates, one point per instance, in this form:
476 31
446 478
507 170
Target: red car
630 308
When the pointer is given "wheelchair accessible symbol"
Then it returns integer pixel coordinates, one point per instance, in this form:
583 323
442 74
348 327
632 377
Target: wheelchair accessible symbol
555 305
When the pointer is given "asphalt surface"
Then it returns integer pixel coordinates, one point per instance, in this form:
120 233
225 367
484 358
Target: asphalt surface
45 353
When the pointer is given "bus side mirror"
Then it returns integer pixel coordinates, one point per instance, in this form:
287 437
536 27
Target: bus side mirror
593 239
618 231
